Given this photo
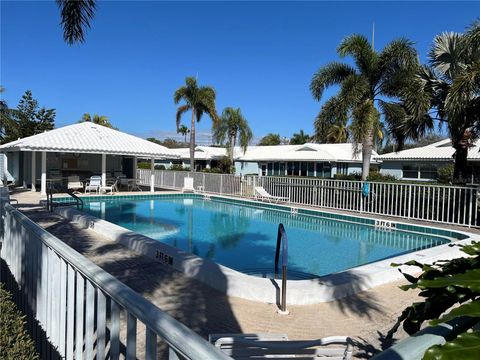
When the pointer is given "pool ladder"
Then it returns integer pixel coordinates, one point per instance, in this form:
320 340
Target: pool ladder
282 241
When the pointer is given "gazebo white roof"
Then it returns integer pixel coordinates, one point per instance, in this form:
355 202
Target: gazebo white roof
87 137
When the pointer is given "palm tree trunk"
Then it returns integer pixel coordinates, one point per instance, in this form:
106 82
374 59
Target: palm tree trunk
232 148
192 142
367 147
460 167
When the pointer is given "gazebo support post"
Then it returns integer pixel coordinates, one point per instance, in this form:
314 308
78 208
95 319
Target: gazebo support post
152 175
135 167
43 182
34 170
104 169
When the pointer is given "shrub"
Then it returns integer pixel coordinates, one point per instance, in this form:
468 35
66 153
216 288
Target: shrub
15 343
375 175
178 167
450 289
445 173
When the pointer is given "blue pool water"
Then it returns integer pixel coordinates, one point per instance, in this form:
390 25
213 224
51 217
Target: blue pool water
244 237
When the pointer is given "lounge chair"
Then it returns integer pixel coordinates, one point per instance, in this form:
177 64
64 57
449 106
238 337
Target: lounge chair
188 185
112 187
277 346
94 184
262 194
74 183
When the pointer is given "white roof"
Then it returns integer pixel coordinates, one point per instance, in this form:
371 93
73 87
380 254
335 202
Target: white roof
441 150
305 152
87 137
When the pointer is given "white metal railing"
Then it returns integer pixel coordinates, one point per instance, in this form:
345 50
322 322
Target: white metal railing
83 311
437 203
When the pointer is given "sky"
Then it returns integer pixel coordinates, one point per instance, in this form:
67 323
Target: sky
259 56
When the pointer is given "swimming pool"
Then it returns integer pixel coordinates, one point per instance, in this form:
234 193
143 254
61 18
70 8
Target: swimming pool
241 235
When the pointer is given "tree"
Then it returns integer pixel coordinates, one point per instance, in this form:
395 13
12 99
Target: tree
270 139
446 90
376 77
184 131
75 18
98 119
27 119
232 126
199 100
337 133
299 138
168 142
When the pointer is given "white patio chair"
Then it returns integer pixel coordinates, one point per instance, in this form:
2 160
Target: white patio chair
277 346
188 185
112 187
74 183
262 194
94 184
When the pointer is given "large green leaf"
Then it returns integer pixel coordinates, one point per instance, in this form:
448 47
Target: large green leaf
470 309
465 347
469 280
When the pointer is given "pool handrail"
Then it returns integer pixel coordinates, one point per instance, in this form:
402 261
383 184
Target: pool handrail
282 240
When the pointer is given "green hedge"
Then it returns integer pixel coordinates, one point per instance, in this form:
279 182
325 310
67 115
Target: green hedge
15 343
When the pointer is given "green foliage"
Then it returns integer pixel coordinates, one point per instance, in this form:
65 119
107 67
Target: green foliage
232 127
76 16
168 142
450 289
184 131
178 167
199 100
465 347
270 139
375 78
446 90
445 173
374 175
299 138
224 166
98 119
27 119
15 343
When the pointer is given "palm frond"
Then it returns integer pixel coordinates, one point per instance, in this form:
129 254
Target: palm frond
359 48
76 16
328 75
446 54
180 111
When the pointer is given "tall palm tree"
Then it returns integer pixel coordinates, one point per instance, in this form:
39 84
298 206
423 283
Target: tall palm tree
184 131
446 90
76 16
376 77
199 100
337 133
232 125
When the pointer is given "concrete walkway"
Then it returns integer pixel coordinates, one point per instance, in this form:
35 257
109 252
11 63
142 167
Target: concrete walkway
366 316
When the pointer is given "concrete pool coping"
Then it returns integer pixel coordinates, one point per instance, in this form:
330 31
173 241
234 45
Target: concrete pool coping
234 283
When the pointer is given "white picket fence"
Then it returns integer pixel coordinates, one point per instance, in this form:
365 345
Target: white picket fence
437 203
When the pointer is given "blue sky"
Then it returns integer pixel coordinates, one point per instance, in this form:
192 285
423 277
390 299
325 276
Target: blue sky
258 56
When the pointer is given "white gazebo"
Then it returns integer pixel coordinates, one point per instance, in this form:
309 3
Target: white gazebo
81 149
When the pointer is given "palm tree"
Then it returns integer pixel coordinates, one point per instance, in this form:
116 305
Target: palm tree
184 131
97 119
376 77
299 138
337 133
76 16
232 126
199 100
446 90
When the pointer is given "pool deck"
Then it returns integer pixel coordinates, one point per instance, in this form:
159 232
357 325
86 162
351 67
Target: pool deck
365 316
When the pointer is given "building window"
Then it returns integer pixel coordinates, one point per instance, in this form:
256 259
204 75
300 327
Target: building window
276 169
282 169
311 169
270 169
264 169
410 171
342 168
428 172
323 170
303 168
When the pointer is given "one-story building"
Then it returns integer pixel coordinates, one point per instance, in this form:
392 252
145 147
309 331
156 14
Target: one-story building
82 149
422 163
318 160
